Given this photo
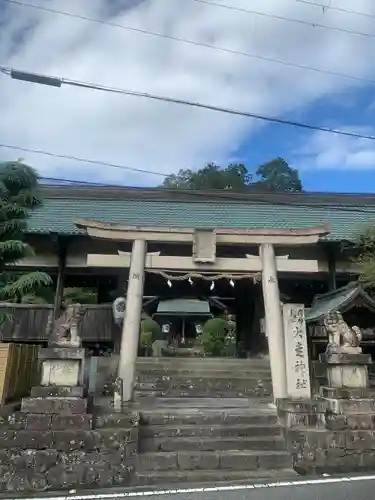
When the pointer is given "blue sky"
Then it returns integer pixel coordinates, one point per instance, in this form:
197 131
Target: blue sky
351 110
162 138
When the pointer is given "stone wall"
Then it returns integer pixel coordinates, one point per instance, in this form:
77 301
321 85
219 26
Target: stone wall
58 452
331 434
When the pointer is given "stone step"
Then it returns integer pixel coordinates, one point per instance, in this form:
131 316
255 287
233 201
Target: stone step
212 460
213 477
204 365
206 360
252 443
260 391
199 417
38 422
212 431
228 379
243 385
148 375
125 420
210 478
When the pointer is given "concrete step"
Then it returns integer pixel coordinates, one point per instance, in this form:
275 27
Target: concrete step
174 444
212 431
200 417
211 478
212 460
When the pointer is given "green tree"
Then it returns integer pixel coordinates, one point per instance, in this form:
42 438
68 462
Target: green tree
212 176
275 175
18 198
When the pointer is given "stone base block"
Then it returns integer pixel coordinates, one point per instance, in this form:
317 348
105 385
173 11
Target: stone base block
40 470
52 353
49 405
19 421
51 452
347 376
317 451
347 393
57 391
325 413
61 372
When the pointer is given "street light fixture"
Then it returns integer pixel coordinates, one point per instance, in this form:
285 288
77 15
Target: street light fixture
35 78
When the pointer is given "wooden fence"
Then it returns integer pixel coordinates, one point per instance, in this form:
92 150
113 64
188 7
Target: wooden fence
29 323
19 371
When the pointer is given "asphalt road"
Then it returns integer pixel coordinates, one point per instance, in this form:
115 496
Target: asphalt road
335 488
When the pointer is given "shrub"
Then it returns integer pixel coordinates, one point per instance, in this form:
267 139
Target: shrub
212 338
149 325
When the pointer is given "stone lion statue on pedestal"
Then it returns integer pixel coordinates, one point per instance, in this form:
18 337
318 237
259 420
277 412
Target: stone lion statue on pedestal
341 336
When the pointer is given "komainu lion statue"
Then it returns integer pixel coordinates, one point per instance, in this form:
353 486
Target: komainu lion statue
64 330
341 335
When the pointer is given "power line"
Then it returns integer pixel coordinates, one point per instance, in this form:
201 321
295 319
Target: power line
57 82
79 183
282 18
196 43
337 9
79 159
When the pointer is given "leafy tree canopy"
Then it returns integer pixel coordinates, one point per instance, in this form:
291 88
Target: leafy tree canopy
275 175
18 197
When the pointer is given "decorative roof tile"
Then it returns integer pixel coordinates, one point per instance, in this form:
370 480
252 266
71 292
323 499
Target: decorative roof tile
63 206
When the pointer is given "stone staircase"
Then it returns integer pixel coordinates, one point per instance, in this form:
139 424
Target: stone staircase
180 443
207 421
197 377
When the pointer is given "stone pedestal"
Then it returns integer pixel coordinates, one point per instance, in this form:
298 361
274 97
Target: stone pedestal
347 369
53 443
61 390
335 431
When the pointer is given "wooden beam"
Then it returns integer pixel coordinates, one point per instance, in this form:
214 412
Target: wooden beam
240 265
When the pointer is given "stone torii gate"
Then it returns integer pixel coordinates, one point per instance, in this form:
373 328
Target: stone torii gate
203 259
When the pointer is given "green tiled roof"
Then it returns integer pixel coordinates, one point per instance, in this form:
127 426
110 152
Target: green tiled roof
59 213
337 300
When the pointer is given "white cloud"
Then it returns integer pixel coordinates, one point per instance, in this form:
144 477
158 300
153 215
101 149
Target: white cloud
162 137
329 151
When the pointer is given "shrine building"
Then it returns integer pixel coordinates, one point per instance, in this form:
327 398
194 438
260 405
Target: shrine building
245 253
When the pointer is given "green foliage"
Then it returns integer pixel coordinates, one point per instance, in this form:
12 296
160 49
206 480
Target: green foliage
365 258
275 175
149 325
213 337
18 197
145 339
234 176
77 295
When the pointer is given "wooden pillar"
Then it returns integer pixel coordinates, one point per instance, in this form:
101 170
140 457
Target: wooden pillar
61 245
331 259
